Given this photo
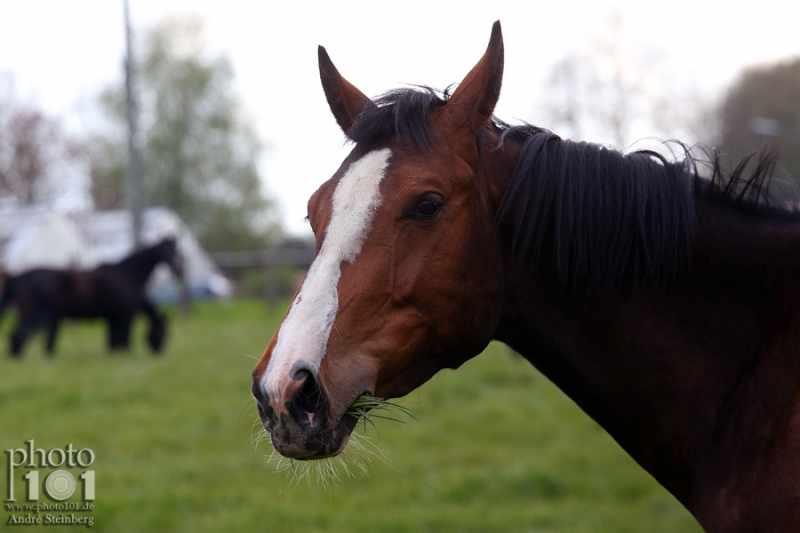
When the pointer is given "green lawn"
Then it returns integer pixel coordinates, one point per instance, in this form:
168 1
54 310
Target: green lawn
495 447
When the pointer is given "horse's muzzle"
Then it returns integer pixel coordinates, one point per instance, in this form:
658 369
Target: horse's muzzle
299 425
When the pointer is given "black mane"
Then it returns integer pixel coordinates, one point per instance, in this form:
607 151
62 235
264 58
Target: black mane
605 217
608 218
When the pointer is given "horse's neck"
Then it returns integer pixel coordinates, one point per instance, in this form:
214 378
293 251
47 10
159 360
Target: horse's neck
693 381
139 266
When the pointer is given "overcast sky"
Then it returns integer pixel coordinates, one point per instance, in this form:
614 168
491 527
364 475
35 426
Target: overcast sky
61 53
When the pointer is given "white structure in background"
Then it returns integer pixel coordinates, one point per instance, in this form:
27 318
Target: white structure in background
111 236
37 238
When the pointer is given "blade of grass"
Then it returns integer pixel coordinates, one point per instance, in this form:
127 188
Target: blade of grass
364 407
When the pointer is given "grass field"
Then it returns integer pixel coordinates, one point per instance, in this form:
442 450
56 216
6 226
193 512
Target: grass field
495 447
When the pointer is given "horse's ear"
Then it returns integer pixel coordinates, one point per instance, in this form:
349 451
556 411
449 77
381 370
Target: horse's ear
473 101
345 101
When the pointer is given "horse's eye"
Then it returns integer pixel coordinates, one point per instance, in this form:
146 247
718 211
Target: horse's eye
427 208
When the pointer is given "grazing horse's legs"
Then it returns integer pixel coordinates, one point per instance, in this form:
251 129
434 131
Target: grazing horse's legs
20 336
119 327
112 339
52 333
158 326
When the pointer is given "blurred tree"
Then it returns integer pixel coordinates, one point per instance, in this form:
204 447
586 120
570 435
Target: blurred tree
34 150
200 155
615 90
763 107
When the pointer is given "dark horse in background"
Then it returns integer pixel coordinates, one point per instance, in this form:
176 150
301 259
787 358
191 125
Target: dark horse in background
114 292
664 300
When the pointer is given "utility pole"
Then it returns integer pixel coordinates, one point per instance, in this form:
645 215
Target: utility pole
135 170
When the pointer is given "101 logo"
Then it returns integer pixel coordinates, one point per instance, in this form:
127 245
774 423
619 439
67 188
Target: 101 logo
58 485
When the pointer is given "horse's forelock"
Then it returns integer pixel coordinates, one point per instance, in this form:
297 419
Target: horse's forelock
402 112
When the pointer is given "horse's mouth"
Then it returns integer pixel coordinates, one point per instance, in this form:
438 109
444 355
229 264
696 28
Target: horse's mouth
330 443
296 442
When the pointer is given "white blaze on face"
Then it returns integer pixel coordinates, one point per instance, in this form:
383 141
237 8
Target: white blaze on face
304 333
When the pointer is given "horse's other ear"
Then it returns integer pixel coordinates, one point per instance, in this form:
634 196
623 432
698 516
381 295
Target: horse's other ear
473 101
345 101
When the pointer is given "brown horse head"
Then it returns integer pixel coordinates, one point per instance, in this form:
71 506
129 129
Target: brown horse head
405 211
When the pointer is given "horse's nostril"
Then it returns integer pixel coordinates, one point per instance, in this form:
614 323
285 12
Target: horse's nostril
310 403
258 392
